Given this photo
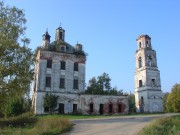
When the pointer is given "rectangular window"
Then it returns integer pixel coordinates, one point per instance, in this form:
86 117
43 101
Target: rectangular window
49 63
140 83
75 66
75 85
48 81
63 65
62 83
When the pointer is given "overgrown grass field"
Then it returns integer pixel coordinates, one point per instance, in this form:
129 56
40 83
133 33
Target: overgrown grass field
27 124
163 126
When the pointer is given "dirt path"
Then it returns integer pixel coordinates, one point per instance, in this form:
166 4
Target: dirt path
124 125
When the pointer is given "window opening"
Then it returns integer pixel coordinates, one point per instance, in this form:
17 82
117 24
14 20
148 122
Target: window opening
61 108
62 82
120 108
139 44
91 107
149 61
140 62
74 108
75 85
49 63
75 66
101 108
48 81
153 82
140 83
110 108
63 65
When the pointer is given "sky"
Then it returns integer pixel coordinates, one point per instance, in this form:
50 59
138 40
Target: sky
108 30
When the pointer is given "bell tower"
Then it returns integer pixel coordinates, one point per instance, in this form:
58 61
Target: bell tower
148 94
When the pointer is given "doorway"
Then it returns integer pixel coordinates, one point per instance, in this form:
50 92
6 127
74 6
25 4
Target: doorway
101 108
74 108
61 108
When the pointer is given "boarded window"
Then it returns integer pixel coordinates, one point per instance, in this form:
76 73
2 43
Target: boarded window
75 85
63 65
75 66
62 83
48 81
49 63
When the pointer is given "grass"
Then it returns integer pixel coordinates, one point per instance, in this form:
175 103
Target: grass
73 116
31 125
163 126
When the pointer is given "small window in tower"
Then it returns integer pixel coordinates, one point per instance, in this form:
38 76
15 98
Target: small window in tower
140 62
147 43
153 82
48 81
63 65
61 35
75 84
75 66
140 83
62 83
139 44
49 63
150 61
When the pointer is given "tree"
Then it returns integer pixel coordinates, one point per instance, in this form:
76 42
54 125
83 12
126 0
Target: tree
132 106
50 102
173 101
102 86
164 98
16 59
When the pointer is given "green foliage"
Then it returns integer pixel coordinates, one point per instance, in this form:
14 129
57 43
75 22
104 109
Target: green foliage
132 106
18 121
16 59
163 126
164 98
16 106
101 86
27 124
173 100
50 102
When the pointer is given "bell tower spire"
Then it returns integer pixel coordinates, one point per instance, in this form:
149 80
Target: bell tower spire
148 94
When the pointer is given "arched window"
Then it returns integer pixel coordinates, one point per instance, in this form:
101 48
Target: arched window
149 60
139 45
140 62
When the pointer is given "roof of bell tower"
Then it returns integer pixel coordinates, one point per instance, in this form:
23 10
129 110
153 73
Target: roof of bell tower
143 36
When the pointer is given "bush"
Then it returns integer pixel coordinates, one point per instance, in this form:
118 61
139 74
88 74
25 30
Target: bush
163 126
18 121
